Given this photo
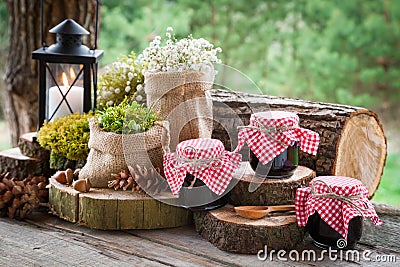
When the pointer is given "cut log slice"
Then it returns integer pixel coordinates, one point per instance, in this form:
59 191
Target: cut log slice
229 232
107 209
352 143
12 160
63 201
251 190
31 148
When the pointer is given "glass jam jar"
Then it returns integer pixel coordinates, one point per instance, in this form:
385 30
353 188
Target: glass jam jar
212 200
281 166
324 236
332 209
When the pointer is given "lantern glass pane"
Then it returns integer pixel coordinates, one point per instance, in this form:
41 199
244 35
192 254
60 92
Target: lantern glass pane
64 90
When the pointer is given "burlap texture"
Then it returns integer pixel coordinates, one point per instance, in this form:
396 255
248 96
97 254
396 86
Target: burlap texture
181 98
110 152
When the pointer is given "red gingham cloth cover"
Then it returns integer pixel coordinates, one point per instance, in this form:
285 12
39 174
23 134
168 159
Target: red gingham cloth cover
336 213
267 148
214 167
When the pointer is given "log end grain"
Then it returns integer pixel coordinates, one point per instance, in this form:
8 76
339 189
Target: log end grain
229 232
361 151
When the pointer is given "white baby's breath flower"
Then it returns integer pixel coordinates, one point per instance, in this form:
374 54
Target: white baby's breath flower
170 29
117 91
110 103
139 87
139 98
181 55
127 89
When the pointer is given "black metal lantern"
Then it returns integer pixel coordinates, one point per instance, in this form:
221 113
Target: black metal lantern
67 71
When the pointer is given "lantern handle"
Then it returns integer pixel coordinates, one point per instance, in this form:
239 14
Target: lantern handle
42 24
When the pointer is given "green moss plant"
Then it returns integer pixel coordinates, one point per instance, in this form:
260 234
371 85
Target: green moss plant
126 118
67 136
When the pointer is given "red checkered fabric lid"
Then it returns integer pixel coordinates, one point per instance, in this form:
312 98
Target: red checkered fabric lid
204 158
337 200
270 133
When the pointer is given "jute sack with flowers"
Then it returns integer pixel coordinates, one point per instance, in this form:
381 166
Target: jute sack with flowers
177 77
127 133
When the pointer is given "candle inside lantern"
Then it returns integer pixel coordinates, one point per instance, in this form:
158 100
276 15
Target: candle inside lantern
74 98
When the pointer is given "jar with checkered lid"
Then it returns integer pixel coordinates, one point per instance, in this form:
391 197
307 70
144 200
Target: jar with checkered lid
332 210
200 173
274 139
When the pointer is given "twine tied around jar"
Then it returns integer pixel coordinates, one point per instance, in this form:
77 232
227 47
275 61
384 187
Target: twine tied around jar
196 162
346 199
269 130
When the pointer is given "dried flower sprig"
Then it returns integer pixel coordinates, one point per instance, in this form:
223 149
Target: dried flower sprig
121 79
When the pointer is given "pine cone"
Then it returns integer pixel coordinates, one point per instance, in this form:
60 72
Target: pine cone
150 180
20 198
123 180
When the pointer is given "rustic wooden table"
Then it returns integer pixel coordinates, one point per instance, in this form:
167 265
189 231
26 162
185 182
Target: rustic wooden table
46 240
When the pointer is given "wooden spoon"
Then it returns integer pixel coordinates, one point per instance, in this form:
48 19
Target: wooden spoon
257 212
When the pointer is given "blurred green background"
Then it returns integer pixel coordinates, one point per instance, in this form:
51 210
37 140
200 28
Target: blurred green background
327 50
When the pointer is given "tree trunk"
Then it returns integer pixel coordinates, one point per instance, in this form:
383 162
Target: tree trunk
21 78
352 142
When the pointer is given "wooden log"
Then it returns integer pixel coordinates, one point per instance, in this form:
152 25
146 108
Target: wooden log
352 139
269 191
31 148
106 209
20 166
63 201
229 232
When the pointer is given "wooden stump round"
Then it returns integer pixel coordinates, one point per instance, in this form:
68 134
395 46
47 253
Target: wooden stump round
268 191
31 148
229 232
106 209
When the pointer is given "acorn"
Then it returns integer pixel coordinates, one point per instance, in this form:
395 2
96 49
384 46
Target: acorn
82 185
60 177
70 176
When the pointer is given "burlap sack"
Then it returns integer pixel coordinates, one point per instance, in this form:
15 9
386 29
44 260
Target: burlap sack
182 99
111 152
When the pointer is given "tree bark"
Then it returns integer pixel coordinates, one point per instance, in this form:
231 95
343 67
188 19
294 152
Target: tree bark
21 77
107 209
268 192
352 142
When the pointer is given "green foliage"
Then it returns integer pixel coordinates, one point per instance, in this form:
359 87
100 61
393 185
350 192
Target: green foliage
67 136
121 79
389 188
327 50
126 118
